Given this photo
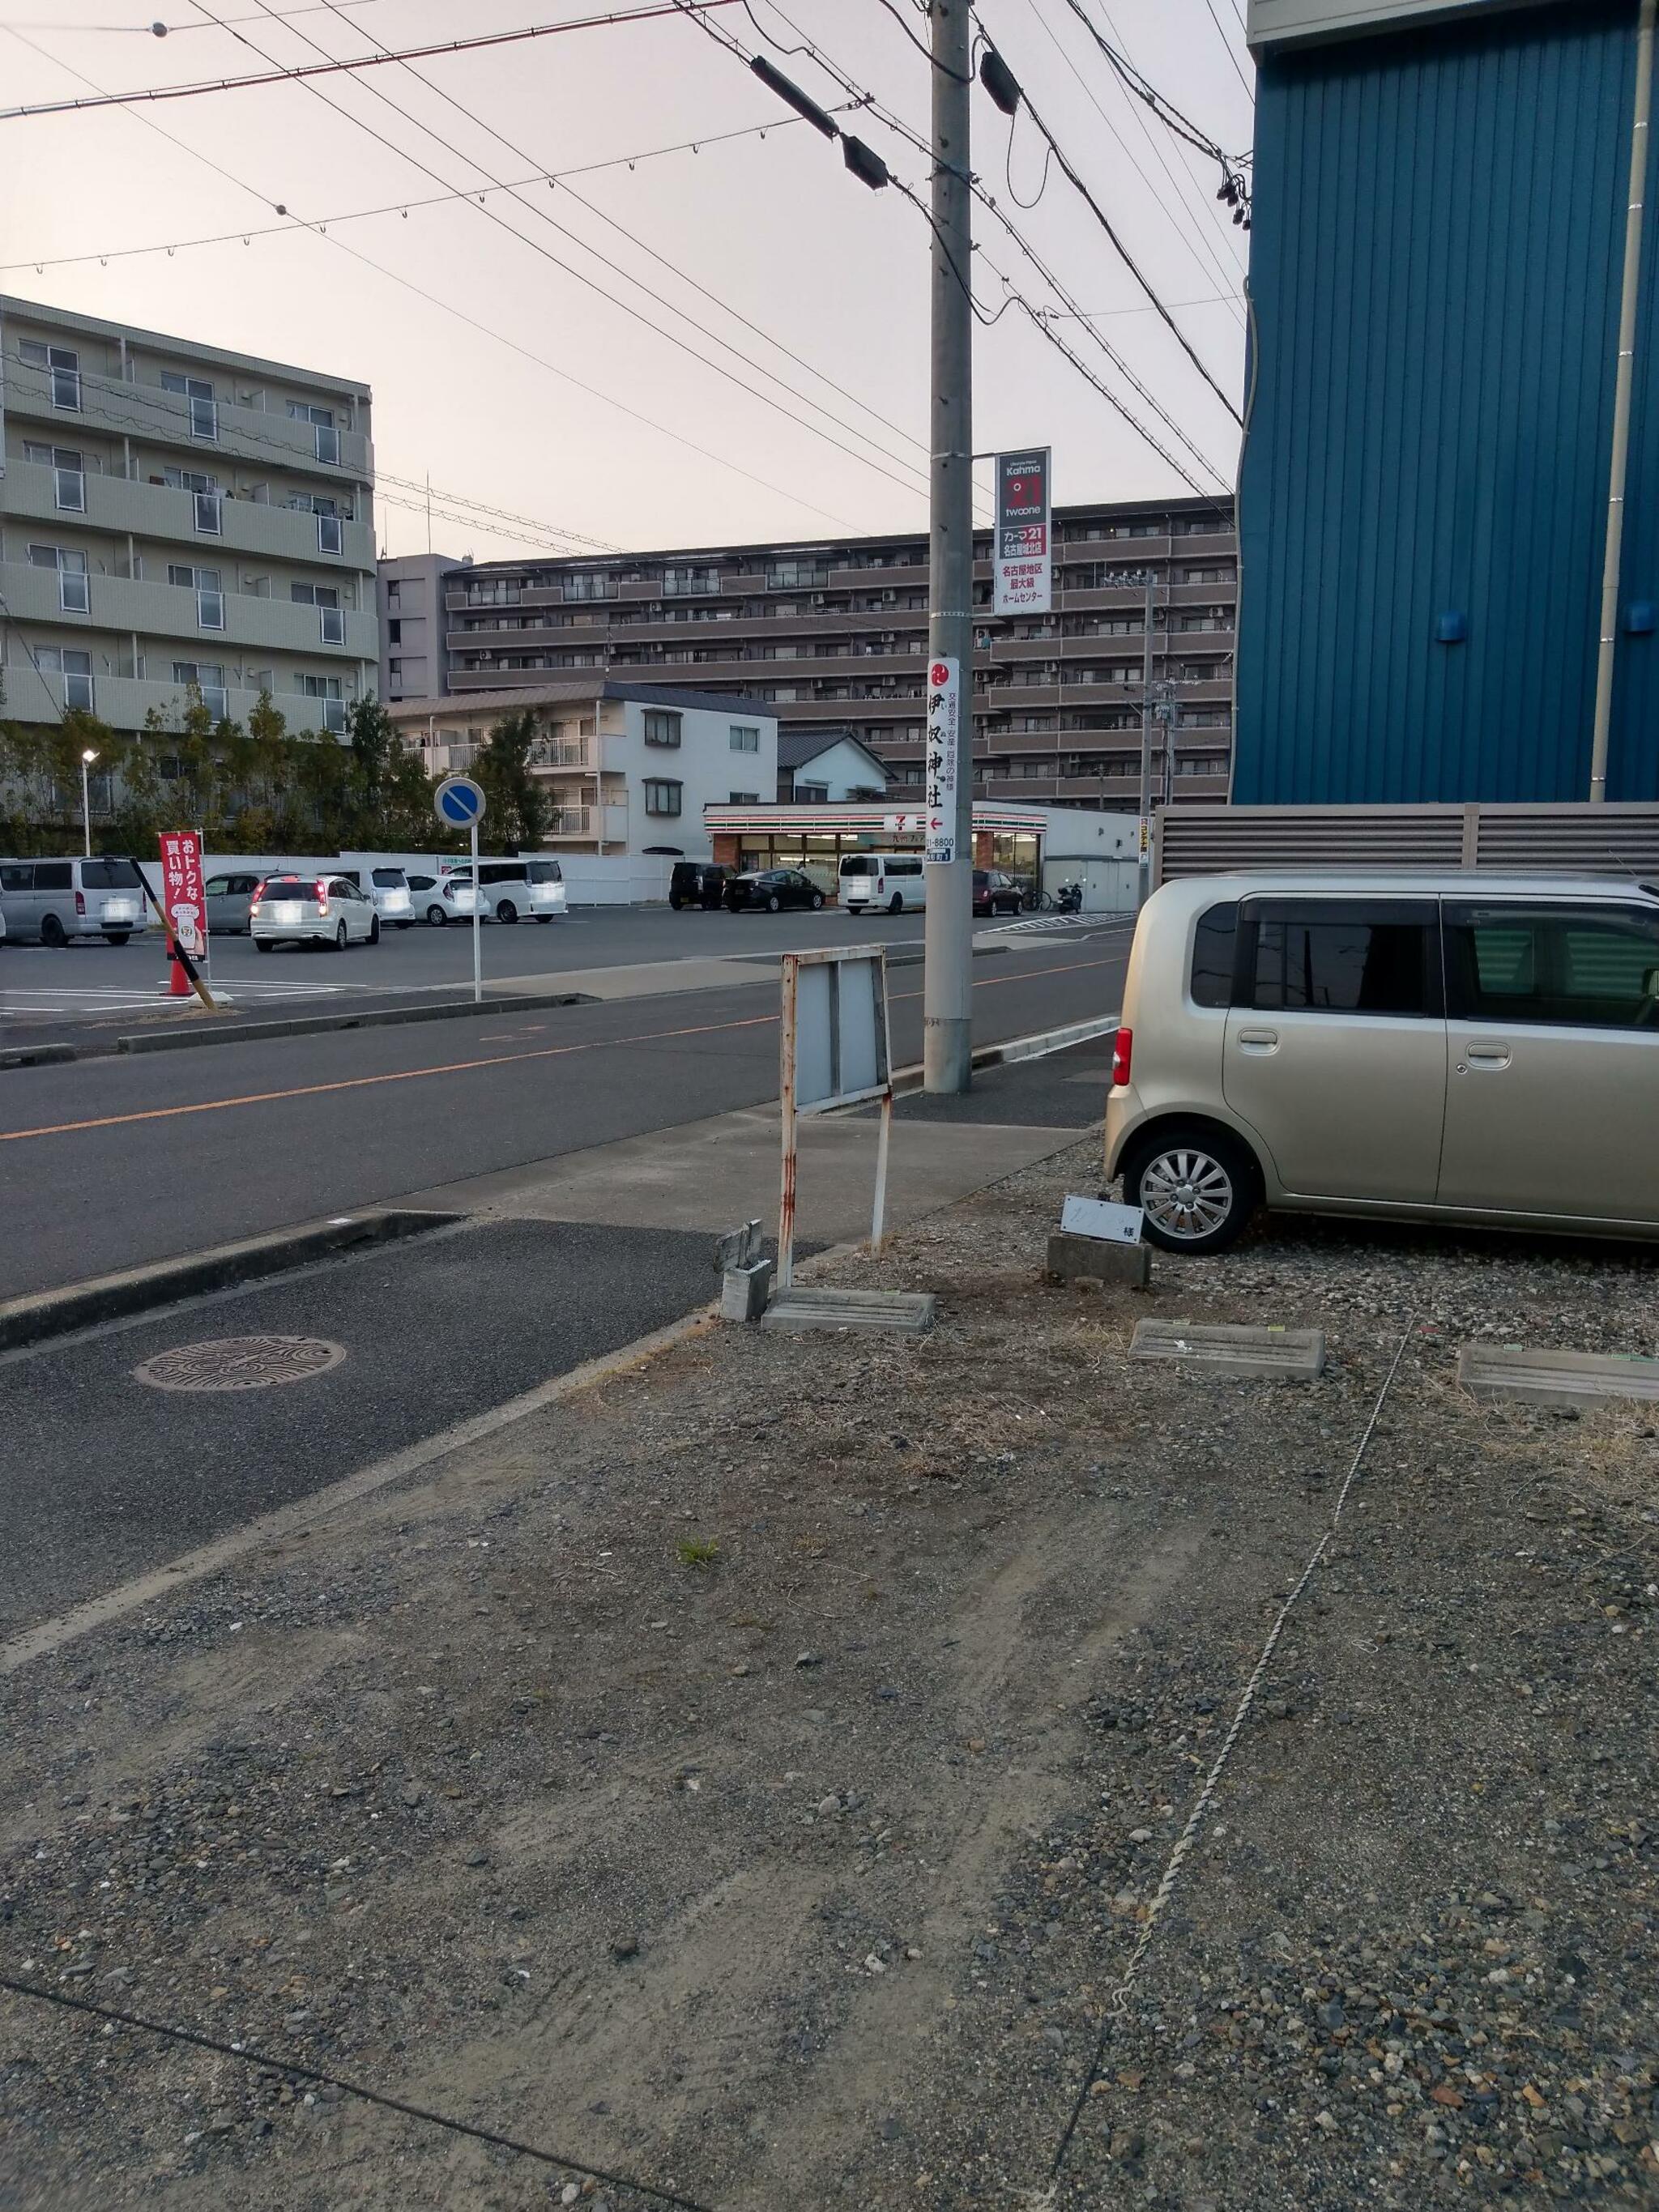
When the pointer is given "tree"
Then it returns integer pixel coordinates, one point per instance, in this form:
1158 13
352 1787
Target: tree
517 802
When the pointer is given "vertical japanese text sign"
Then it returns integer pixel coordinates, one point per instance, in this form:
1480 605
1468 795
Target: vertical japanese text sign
1022 563
183 900
944 713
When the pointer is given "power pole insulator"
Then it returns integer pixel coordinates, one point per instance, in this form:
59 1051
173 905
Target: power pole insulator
999 80
864 162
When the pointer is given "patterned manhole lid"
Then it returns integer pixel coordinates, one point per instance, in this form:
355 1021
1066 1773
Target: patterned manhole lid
240 1363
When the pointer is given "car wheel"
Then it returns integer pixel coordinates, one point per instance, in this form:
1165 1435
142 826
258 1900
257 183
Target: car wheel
1197 1188
896 904
375 930
675 901
117 936
507 911
340 937
818 901
52 932
775 904
265 945
436 916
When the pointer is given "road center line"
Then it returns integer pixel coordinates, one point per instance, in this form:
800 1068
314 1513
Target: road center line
466 1066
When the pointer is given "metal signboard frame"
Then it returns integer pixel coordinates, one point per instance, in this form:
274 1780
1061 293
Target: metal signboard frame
1022 565
471 794
835 1050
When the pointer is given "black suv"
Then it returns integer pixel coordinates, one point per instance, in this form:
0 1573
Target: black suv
697 883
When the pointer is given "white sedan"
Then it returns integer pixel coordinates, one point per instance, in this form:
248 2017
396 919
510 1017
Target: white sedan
312 910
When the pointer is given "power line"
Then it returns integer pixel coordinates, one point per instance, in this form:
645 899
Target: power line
717 367
499 513
333 67
549 177
448 308
1249 90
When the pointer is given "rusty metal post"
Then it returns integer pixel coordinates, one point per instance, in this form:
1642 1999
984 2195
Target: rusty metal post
881 1173
786 1095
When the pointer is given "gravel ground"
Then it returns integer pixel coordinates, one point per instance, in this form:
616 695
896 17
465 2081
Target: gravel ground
754 1778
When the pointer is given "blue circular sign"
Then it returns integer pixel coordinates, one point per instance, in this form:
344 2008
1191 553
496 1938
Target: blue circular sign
460 802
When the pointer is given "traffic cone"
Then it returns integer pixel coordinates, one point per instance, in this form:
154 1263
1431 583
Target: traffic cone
177 981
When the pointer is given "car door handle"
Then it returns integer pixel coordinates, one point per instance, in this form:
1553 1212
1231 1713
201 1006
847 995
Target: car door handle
1487 1055
1258 1040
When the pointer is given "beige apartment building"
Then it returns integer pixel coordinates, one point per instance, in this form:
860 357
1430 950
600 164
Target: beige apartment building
833 633
172 513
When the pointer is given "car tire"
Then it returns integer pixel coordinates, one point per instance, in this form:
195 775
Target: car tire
340 936
675 902
265 945
896 904
507 911
436 916
53 932
1196 1185
818 901
117 936
375 930
775 904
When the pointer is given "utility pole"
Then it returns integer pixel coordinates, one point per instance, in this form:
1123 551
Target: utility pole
1149 578
947 985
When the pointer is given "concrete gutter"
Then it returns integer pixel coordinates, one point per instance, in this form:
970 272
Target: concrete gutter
136 1290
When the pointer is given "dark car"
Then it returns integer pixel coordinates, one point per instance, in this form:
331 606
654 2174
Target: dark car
996 894
772 889
697 883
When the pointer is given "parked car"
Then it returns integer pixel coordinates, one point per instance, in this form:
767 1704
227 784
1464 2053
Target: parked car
1463 1046
439 899
312 910
698 883
389 896
532 891
56 900
229 898
772 889
891 880
994 893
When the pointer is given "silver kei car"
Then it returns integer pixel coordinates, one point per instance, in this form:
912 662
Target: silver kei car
320 909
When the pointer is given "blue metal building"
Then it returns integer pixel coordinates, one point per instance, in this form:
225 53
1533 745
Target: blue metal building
1437 253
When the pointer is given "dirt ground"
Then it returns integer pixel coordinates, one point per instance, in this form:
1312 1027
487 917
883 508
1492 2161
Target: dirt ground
751 1779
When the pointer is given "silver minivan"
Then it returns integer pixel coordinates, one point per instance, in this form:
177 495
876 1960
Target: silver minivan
54 900
1462 1045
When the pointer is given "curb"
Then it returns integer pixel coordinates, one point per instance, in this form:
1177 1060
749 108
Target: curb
39 1055
320 1025
109 1297
1037 1046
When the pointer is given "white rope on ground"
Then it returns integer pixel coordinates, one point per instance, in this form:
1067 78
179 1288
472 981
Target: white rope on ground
1117 2004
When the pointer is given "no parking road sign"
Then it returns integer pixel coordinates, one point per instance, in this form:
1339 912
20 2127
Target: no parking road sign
458 803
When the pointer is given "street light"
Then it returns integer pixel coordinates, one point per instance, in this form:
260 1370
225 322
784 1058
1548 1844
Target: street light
87 760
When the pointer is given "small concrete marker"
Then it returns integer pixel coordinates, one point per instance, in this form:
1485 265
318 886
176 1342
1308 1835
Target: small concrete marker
742 1290
1555 1378
1275 1355
907 1313
1092 1259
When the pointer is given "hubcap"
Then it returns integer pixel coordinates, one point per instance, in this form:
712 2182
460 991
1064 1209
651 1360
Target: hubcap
1186 1192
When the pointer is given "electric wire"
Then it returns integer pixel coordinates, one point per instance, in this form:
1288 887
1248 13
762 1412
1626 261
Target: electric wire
1249 90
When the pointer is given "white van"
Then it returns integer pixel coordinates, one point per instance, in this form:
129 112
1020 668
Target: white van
525 890
892 881
56 900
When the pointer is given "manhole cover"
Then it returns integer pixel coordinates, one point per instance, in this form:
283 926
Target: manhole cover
240 1363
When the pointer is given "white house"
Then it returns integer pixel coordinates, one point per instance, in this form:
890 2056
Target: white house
628 767
828 765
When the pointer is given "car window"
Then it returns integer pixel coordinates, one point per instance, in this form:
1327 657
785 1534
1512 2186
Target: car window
1573 967
422 882
109 876
216 886
17 876
1211 983
549 871
1344 957
389 879
290 887
54 875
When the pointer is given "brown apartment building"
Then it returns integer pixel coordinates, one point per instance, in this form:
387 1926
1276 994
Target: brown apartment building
834 634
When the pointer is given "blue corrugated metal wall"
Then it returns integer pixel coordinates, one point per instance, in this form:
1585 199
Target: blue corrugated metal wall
1438 234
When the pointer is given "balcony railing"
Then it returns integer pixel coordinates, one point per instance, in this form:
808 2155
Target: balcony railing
559 753
570 822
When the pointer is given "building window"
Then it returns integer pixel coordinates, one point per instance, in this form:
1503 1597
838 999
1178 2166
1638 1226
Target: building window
814 795
662 795
326 689
795 576
1217 576
71 576
330 536
682 583
199 394
75 668
209 514
325 437
586 585
744 738
62 370
69 475
394 595
662 727
745 799
209 677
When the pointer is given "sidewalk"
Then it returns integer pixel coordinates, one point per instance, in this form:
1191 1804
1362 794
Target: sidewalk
752 1777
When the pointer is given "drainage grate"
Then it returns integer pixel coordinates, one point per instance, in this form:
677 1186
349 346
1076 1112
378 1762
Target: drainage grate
240 1363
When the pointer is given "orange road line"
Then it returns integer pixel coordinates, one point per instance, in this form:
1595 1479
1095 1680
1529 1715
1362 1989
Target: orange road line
464 1066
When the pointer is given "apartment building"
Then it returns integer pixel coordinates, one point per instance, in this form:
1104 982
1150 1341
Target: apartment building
414 647
173 514
627 768
834 634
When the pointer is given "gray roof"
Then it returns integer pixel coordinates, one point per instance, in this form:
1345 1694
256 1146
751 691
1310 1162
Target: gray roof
576 691
797 747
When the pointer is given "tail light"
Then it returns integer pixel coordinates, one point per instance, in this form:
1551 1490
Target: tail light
259 892
322 898
80 901
1123 1050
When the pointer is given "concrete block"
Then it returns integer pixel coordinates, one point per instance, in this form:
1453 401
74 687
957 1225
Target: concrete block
1091 1259
1276 1355
742 1290
908 1313
1555 1378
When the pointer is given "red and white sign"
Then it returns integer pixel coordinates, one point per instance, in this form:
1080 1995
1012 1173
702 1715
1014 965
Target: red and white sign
939 753
184 899
1023 568
904 825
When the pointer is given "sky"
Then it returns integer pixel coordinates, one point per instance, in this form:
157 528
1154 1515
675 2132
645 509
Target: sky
502 375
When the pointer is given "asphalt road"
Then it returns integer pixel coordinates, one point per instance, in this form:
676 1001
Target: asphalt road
105 1163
